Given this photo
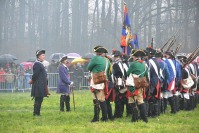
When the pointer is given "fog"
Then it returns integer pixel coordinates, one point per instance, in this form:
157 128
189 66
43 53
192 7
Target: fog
67 26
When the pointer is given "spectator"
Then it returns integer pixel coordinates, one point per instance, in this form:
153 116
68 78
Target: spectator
9 77
2 78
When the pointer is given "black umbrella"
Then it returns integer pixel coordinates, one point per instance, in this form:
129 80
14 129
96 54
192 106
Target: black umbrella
88 56
56 56
8 56
6 60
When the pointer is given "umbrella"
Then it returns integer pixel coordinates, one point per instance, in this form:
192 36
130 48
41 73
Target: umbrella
32 59
73 55
88 56
26 65
6 60
78 60
8 56
56 56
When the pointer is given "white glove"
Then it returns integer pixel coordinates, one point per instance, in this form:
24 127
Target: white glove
71 83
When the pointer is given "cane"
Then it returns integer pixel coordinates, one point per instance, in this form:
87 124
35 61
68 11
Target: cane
73 97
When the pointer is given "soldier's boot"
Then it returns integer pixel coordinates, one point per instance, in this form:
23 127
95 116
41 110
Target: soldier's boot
165 104
96 111
172 104
151 110
155 109
182 104
143 113
162 110
104 111
176 103
129 109
134 113
147 107
117 113
109 110
67 102
62 103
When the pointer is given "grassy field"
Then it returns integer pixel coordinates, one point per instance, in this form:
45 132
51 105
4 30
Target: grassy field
16 117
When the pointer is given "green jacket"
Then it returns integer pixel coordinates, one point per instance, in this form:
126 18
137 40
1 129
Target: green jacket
137 68
98 64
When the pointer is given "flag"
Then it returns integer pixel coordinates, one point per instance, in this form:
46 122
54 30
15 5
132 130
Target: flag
126 41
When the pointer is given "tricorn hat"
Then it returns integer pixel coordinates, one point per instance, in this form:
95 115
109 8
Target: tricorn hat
150 51
117 53
169 53
158 54
39 52
63 58
137 52
100 49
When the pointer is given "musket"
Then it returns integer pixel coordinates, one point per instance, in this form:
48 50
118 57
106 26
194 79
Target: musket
192 54
193 57
166 43
172 38
171 44
177 49
73 97
152 42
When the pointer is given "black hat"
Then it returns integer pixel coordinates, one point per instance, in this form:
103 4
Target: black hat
169 53
63 58
117 53
137 52
150 51
158 54
39 52
100 49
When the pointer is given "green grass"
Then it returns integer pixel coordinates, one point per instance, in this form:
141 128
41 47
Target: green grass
16 117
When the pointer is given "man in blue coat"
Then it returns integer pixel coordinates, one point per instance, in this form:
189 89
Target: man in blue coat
64 84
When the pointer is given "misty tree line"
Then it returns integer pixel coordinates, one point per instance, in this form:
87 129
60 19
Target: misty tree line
79 25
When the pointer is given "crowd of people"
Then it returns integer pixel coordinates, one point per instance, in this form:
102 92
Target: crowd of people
14 76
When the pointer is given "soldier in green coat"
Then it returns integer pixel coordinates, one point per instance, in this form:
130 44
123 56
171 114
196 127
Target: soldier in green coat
98 64
139 69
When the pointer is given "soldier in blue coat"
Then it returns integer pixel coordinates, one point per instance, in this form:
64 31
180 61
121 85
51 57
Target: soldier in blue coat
64 84
39 82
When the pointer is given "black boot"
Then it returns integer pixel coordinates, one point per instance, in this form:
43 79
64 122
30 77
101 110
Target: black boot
109 110
67 100
151 110
143 115
96 111
62 99
37 106
35 112
104 111
129 109
134 113
155 109
172 104
147 107
162 110
165 104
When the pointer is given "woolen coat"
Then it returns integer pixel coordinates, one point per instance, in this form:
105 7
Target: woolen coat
39 79
64 80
